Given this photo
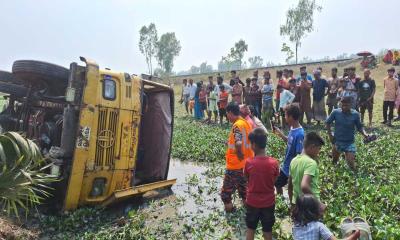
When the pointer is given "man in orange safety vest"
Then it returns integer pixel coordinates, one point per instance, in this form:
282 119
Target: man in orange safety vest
238 151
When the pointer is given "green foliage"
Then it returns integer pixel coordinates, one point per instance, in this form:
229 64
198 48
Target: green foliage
198 142
22 173
289 53
168 47
373 194
256 62
299 22
147 44
234 58
237 52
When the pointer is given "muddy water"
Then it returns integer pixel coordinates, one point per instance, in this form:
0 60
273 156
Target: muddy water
195 201
199 191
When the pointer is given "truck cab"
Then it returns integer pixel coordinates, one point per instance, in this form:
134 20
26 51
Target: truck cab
109 135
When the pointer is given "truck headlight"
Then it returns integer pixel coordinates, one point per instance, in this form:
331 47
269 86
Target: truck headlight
98 187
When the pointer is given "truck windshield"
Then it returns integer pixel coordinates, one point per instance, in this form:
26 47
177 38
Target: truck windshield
109 89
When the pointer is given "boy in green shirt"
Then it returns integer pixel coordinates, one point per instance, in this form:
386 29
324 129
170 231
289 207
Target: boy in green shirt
303 172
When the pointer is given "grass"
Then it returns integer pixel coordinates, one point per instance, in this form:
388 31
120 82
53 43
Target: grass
372 194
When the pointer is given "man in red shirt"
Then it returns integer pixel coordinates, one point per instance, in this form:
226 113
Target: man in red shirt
261 172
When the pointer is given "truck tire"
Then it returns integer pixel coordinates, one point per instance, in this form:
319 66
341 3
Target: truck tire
42 74
8 77
13 89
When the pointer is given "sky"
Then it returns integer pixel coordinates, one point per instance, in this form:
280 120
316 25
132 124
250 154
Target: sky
108 31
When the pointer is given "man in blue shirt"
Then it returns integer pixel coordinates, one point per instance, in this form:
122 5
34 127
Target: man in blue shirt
347 120
294 143
320 90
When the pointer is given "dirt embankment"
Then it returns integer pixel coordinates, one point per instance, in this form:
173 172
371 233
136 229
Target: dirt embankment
11 231
243 74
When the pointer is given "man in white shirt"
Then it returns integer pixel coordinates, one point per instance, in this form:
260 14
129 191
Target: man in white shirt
192 89
286 98
185 95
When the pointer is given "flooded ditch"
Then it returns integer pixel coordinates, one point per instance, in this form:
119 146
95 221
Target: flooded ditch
194 206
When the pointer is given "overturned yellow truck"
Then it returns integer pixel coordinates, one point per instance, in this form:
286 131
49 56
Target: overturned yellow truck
108 133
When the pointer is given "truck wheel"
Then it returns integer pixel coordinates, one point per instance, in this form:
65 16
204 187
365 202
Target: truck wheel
42 74
9 78
13 89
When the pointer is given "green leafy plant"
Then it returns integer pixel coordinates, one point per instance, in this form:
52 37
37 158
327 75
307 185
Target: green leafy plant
23 181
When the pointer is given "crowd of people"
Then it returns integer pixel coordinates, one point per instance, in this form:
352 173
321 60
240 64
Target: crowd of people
255 105
316 95
258 177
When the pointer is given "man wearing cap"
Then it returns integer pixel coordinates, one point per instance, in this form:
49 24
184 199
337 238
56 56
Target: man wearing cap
319 92
390 86
366 93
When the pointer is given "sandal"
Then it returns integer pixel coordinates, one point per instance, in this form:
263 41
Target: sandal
347 227
364 228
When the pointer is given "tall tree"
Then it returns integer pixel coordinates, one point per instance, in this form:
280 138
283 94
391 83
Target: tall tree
237 52
168 47
256 62
299 22
147 44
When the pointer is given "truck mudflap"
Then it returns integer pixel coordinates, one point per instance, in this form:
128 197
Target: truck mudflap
136 190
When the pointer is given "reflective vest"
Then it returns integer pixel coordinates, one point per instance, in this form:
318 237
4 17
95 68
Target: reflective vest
232 161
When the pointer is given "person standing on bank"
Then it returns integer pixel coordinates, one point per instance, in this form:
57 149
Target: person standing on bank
185 95
347 120
267 92
210 88
390 86
333 82
246 92
366 92
320 87
238 151
233 79
192 93
237 92
255 93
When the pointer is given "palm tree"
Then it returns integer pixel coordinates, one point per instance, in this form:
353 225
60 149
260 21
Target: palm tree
23 177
